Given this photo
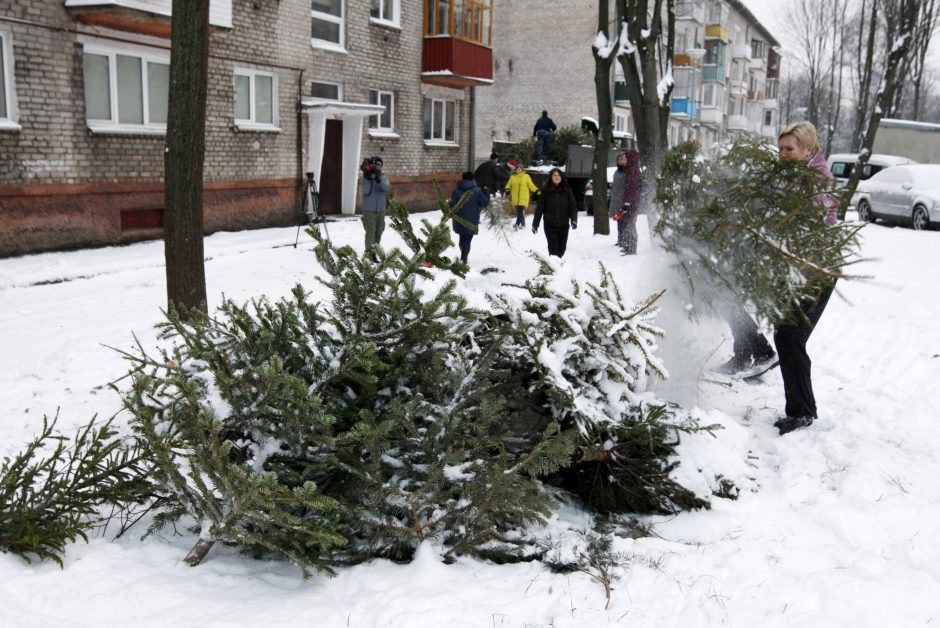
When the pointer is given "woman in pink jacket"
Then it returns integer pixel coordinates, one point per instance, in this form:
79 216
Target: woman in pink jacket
800 141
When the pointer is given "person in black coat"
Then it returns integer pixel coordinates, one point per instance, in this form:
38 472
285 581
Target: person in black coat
557 204
542 132
487 175
469 211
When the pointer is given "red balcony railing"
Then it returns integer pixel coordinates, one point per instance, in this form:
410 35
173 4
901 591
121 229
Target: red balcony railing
458 36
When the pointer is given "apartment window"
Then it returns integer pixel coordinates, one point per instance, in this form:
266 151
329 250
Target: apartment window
126 90
769 117
326 91
714 52
713 95
7 89
757 49
770 89
440 120
384 121
255 99
386 11
620 123
328 23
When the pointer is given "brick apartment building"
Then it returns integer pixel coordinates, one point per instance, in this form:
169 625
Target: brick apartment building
294 86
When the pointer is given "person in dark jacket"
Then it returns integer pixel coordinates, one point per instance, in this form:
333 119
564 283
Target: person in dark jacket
469 211
542 132
557 204
800 141
487 175
375 185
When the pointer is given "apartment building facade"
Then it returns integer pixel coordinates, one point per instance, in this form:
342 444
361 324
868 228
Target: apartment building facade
725 72
295 86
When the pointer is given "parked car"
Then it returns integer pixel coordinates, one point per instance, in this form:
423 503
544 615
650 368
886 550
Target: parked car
908 195
841 165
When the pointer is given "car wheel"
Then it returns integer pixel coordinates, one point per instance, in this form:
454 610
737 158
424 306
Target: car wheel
920 220
864 212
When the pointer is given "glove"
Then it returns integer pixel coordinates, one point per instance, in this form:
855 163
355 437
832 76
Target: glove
535 229
574 225
618 215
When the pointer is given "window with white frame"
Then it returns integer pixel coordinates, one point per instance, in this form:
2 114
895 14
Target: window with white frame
386 11
7 89
384 121
255 99
440 120
713 96
328 23
620 123
126 89
326 91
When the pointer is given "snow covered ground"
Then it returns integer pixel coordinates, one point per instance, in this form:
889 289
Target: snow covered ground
837 524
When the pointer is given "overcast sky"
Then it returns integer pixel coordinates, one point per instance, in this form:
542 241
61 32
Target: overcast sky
769 12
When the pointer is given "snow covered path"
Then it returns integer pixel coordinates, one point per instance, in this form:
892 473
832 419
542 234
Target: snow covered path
837 525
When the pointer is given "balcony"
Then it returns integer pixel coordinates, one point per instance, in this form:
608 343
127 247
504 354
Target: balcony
712 116
737 123
713 73
769 131
738 87
758 64
145 17
456 51
741 52
770 103
684 107
716 31
690 11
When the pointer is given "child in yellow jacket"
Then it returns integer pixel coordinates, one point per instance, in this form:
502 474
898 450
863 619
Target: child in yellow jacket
519 188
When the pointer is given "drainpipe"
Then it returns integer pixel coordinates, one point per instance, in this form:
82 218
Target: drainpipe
298 193
471 143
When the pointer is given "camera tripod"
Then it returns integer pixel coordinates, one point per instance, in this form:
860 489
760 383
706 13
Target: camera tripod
311 207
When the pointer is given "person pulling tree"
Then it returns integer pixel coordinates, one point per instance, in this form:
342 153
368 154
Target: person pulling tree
467 220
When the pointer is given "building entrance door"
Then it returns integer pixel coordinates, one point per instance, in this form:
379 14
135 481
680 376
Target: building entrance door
330 177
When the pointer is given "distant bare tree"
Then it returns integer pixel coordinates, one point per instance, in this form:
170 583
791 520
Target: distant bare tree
926 27
901 20
810 24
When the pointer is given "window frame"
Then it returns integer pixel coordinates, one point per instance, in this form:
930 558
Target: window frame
378 129
394 21
326 44
339 91
9 122
146 55
251 124
443 103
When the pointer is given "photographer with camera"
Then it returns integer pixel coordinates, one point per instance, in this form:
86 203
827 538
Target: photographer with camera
374 187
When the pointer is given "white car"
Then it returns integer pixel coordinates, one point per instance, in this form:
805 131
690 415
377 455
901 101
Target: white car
908 195
841 165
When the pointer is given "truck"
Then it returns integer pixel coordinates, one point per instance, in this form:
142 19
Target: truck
918 141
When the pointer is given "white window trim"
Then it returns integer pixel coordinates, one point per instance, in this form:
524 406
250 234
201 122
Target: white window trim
383 129
339 92
9 123
434 141
145 54
251 124
326 17
394 22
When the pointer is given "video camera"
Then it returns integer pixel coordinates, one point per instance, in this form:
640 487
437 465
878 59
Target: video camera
370 168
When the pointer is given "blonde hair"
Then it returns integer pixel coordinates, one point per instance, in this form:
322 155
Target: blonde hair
804 133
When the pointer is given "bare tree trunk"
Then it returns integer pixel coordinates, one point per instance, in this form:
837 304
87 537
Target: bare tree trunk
645 67
603 61
865 76
925 30
902 20
184 156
